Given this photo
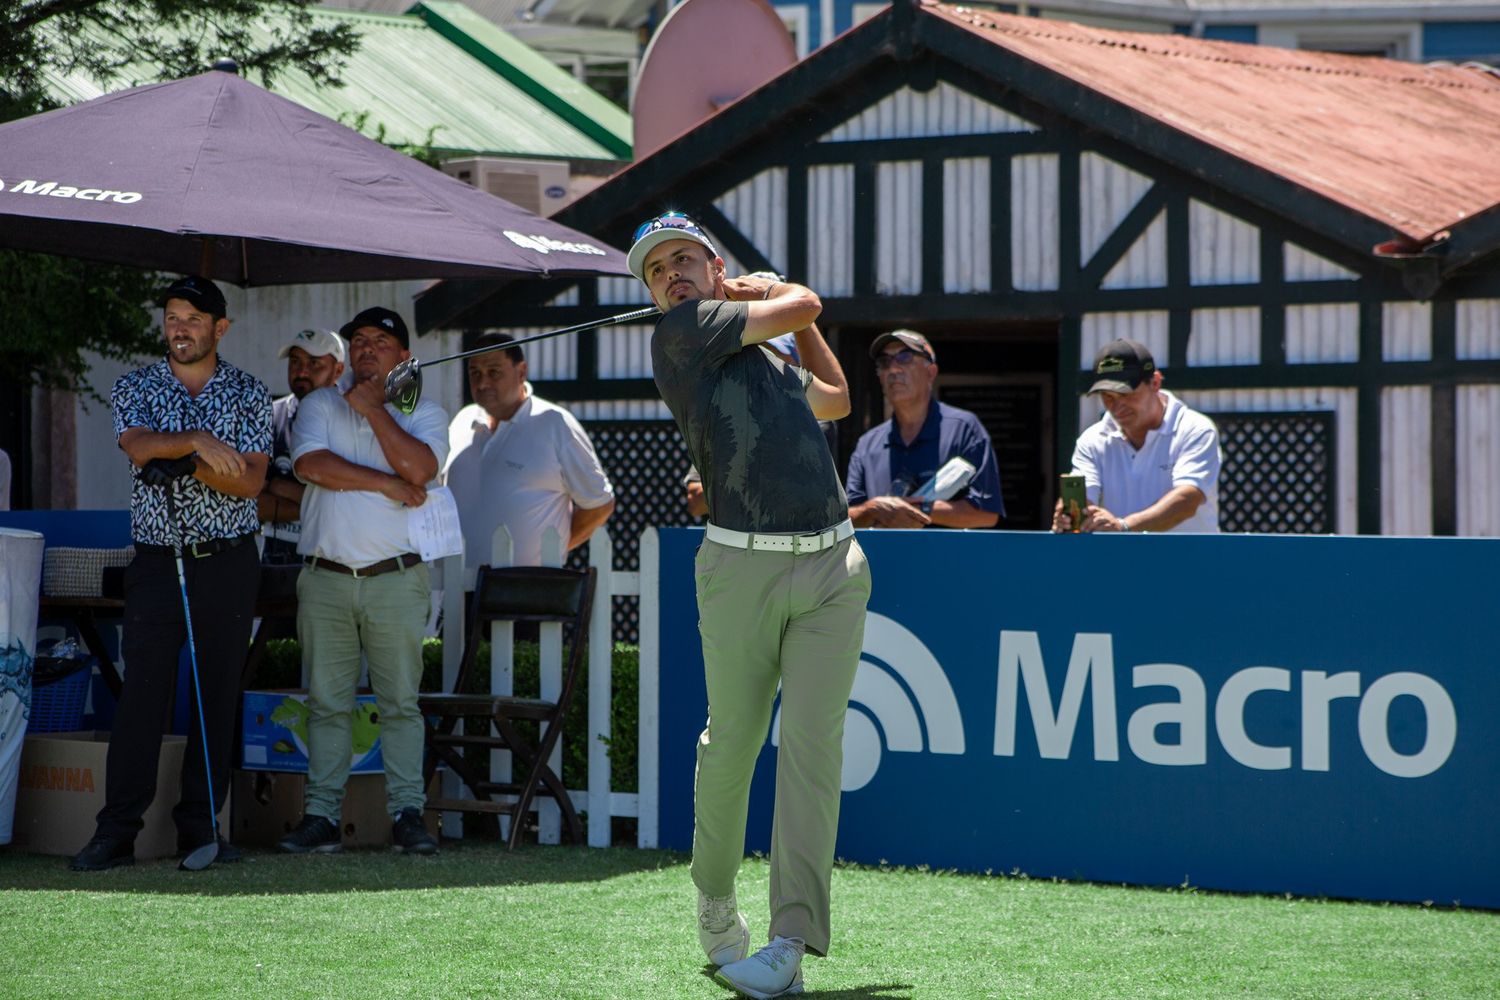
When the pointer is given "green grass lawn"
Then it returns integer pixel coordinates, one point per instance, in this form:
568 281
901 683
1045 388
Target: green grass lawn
476 921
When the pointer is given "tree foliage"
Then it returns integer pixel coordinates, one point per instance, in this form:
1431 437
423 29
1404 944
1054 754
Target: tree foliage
173 38
52 309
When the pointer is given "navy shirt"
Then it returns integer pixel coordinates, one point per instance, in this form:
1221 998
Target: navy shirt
744 415
234 407
883 465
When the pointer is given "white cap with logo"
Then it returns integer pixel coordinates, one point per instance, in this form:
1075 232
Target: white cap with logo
317 343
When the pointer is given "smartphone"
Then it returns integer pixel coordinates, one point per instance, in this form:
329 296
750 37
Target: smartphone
1075 499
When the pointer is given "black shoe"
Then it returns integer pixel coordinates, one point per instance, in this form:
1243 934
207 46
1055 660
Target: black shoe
410 835
314 833
103 852
228 853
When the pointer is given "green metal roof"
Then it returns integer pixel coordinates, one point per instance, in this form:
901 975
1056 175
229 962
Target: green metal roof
558 91
482 90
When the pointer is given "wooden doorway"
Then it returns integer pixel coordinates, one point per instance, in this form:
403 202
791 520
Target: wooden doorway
1004 373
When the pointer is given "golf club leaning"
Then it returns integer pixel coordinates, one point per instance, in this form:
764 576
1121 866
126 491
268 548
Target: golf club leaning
403 386
204 856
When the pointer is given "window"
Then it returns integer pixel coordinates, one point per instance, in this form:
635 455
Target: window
1391 41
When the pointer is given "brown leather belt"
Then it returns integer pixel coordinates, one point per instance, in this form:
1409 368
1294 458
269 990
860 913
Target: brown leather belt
404 561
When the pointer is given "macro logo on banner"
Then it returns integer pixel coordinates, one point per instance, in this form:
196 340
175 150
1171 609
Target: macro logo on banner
1277 714
53 189
901 702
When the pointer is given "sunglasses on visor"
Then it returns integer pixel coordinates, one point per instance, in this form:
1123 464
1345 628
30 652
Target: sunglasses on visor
667 220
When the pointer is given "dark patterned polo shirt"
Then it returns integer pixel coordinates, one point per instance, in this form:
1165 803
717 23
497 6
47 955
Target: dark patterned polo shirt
234 407
744 414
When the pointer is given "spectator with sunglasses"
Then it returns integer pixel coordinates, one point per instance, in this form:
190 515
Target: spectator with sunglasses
900 455
782 586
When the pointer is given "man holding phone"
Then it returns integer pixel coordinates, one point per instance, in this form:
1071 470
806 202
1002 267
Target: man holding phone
894 459
1150 463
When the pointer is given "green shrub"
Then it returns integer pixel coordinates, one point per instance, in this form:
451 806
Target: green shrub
281 667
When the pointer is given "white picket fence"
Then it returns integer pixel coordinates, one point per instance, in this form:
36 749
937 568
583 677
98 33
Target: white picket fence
601 803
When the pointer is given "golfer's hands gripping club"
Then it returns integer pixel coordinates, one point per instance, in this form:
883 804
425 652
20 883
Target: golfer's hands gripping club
162 471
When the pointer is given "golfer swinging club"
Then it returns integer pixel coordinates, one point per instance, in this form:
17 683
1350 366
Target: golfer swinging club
782 586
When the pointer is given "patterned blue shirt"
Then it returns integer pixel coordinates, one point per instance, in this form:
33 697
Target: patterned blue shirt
234 407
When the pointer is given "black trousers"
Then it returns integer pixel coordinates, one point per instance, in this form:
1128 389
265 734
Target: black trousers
221 591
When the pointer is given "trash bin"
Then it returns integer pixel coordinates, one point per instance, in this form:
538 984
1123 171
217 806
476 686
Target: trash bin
20 590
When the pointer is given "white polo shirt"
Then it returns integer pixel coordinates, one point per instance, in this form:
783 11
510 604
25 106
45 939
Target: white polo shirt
528 473
357 527
1183 451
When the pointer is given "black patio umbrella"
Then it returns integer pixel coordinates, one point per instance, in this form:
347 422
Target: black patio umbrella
217 176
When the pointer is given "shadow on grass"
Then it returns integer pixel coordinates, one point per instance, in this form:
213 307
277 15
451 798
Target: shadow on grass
891 991
467 864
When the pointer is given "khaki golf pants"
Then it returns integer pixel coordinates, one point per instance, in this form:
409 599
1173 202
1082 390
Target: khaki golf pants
769 618
338 617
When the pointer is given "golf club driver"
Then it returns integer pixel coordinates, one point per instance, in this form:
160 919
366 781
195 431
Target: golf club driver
200 858
403 386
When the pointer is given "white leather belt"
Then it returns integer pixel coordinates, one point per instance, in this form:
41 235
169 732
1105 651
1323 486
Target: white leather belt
796 544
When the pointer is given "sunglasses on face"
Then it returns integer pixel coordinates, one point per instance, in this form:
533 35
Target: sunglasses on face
667 220
901 358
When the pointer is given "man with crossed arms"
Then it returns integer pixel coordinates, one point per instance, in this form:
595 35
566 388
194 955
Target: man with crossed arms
362 588
782 586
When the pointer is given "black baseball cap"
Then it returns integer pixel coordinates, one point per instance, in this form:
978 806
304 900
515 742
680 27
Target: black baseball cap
202 293
380 318
1122 365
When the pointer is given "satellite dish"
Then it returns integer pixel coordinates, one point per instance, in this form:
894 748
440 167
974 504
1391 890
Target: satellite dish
685 74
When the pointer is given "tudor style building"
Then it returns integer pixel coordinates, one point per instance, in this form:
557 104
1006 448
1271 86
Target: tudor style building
1306 241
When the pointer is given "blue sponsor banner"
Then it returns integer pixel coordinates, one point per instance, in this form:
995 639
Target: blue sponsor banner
1315 715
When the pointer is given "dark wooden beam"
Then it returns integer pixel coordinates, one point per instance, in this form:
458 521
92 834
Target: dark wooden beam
1118 243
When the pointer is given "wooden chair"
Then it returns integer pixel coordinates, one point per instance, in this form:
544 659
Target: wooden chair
515 594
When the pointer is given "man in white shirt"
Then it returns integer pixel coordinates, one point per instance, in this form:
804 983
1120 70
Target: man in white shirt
314 359
1150 463
362 588
518 460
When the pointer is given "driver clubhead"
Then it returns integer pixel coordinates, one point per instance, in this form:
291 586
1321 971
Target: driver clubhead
201 858
403 386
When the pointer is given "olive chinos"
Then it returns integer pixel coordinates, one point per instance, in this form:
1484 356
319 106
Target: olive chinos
797 620
337 617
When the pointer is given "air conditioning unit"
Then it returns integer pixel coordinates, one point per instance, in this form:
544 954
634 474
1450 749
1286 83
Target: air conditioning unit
540 186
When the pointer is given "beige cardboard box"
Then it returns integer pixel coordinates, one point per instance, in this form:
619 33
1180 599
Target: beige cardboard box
61 790
268 804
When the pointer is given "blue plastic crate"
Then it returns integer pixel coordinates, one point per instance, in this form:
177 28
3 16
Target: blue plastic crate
59 689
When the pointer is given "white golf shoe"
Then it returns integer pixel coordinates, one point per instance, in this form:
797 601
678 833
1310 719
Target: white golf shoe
774 971
721 930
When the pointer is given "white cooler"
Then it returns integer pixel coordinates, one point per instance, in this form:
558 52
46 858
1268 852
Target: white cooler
20 589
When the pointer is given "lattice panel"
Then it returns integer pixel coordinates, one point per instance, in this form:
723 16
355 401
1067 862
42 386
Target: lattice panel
1278 472
646 461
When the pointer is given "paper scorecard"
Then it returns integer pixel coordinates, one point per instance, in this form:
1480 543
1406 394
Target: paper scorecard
433 528
951 478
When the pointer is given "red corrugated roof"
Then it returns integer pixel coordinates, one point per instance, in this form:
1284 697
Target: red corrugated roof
1415 147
